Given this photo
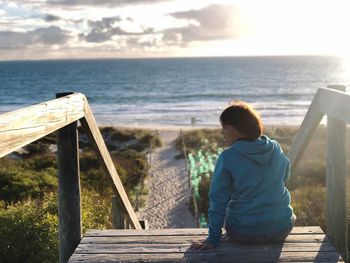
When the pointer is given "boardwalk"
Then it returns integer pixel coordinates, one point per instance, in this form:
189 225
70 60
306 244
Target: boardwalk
168 203
21 127
305 244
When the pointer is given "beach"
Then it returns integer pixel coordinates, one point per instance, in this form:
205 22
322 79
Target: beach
153 101
169 192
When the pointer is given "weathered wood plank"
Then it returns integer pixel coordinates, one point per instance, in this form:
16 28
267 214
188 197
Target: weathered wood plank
183 231
305 244
311 121
335 103
149 232
20 127
211 256
187 238
119 245
69 210
316 238
90 126
337 227
224 247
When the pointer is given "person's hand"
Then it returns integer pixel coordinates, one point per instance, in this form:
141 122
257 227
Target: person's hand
201 245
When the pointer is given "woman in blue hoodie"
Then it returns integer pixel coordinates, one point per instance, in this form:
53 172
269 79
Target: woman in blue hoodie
247 191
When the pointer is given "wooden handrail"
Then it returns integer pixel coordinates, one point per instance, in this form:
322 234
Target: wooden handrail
334 103
21 127
90 126
311 121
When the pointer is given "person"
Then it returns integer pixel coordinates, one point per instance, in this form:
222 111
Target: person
247 191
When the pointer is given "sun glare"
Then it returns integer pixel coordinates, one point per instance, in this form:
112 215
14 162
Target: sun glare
345 67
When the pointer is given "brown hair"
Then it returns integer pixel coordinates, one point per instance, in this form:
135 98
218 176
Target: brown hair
244 118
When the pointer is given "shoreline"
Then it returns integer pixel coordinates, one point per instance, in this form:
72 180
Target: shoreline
187 128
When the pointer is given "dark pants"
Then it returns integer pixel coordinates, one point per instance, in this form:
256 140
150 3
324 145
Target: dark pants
276 237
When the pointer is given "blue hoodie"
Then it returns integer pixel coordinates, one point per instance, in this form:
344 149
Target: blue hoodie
248 187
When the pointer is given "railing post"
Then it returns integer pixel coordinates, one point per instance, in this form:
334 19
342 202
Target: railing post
118 215
337 222
69 211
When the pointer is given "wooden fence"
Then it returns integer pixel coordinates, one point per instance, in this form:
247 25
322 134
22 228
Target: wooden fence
334 103
21 127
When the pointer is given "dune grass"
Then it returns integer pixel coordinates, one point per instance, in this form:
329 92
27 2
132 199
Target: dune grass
28 186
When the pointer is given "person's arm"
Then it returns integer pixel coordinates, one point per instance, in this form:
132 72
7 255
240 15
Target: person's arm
219 196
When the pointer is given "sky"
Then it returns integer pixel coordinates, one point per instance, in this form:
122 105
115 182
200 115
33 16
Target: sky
61 29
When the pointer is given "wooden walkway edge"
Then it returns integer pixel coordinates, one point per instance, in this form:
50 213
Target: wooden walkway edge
304 244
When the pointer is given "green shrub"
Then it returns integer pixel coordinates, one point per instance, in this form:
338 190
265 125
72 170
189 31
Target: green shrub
95 179
17 184
35 177
96 210
27 178
146 141
29 230
119 135
28 234
134 163
131 167
88 160
40 162
205 139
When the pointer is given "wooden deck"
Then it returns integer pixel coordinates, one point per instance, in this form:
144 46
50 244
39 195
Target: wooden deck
304 244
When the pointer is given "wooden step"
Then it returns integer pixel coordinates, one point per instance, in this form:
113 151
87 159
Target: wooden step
304 244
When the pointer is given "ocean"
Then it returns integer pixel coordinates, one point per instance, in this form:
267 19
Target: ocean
175 91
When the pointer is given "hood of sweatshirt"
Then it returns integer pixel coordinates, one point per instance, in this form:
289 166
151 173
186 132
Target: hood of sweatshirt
259 151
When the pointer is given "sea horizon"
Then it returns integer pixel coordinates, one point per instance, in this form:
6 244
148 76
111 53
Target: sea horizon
175 91
172 57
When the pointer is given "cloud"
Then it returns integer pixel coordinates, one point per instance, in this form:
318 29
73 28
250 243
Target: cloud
68 27
214 22
51 18
52 35
102 2
106 22
104 30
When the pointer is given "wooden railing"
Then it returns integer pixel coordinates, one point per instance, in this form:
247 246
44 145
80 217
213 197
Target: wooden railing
21 127
334 103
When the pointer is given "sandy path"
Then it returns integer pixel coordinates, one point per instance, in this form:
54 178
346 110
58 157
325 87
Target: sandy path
168 202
